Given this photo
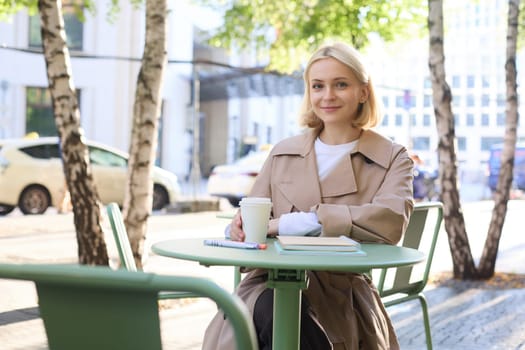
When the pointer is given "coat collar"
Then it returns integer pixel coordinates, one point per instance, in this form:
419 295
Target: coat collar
371 145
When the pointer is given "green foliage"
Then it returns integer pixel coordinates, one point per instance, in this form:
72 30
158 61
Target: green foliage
10 7
289 30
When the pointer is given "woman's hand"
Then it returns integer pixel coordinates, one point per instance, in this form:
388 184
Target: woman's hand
236 232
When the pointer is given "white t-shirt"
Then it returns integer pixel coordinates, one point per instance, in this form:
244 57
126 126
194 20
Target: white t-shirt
329 155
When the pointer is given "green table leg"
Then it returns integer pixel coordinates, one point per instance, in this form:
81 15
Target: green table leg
287 285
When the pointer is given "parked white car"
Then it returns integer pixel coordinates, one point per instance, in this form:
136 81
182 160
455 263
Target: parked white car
235 181
32 175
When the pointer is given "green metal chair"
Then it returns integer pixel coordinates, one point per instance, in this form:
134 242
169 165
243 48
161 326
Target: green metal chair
86 307
398 285
127 260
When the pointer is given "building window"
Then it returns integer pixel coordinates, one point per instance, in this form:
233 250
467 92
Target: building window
485 82
413 119
74 28
471 81
39 111
426 120
385 101
399 120
427 101
456 100
456 81
385 120
485 119
421 143
501 100
456 119
485 100
500 119
470 101
427 83
462 143
268 134
470 119
487 142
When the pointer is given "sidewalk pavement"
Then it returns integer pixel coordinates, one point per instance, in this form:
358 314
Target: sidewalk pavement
463 315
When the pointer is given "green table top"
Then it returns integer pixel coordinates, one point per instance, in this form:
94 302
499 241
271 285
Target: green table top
377 256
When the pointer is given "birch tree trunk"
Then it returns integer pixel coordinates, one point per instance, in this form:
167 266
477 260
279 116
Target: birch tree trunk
463 263
490 251
90 236
146 112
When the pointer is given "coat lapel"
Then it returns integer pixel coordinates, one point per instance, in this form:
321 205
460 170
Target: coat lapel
299 183
341 180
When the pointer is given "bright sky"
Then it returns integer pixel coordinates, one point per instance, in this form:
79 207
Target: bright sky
203 17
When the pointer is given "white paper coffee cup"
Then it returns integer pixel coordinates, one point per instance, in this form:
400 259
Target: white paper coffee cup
255 214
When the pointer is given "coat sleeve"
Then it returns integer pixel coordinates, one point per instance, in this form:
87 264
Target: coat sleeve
385 218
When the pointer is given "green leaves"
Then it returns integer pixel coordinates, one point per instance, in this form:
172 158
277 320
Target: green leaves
289 30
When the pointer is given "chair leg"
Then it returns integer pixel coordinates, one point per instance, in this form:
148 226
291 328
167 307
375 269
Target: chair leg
426 320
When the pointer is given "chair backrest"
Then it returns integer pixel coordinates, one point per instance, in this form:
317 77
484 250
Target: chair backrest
127 260
421 234
86 307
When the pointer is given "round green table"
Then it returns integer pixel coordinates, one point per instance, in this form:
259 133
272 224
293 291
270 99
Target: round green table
287 272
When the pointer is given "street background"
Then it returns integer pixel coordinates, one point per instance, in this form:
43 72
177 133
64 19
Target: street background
463 315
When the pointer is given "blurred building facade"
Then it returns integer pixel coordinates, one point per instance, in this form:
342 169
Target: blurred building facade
243 108
475 49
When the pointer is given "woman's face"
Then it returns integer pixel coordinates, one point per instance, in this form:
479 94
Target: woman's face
335 92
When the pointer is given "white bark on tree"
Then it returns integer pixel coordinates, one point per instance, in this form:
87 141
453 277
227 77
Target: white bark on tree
463 264
487 263
146 112
79 178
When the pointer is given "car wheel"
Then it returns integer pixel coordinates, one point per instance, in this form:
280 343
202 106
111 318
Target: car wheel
6 209
34 200
160 197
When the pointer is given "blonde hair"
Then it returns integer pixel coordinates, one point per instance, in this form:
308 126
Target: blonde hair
368 114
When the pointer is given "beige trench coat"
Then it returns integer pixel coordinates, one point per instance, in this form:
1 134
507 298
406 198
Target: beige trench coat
368 197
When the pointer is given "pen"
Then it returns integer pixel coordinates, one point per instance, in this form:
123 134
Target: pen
234 244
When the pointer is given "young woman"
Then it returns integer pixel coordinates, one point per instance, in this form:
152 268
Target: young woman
339 177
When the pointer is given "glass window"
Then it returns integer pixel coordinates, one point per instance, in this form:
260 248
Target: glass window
470 101
485 82
470 119
500 119
456 100
427 83
485 119
399 120
427 101
103 157
456 81
421 143
456 119
485 100
413 119
385 101
400 102
385 120
501 100
74 28
471 81
426 120
44 151
462 143
39 111
487 142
